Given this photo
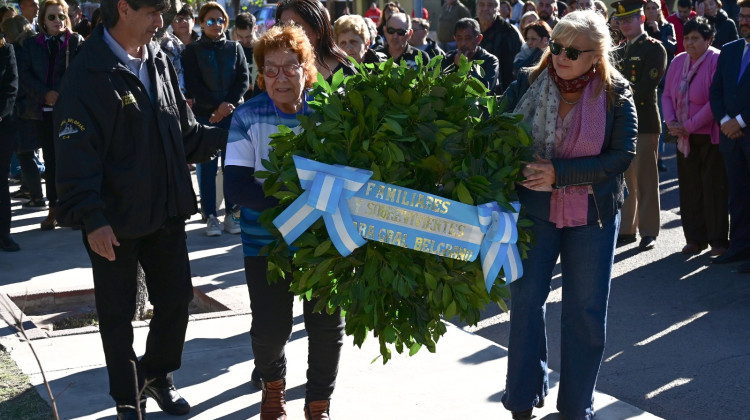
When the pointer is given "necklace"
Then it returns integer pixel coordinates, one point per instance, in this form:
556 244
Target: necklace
569 103
278 117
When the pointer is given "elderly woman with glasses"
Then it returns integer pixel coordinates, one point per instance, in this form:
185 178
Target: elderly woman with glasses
287 71
42 63
584 129
216 77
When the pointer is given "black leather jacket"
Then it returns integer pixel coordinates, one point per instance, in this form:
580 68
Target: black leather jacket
122 157
605 172
33 66
215 72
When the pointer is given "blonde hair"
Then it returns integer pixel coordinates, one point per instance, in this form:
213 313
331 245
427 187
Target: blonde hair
351 23
592 25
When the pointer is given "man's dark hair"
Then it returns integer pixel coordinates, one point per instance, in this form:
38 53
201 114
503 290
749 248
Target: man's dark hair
244 21
110 15
701 25
685 3
408 18
187 10
743 3
467 23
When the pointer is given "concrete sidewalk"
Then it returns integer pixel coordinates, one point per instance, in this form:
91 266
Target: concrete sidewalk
463 380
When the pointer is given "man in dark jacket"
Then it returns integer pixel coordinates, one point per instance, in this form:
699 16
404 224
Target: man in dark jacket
125 136
500 39
643 61
467 38
397 34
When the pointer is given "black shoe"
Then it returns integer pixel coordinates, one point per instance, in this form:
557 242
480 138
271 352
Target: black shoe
522 415
744 268
731 256
36 203
625 239
7 244
168 399
256 379
647 242
662 167
21 194
129 413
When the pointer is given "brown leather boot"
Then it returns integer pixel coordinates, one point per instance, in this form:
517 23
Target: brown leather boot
49 223
317 410
273 404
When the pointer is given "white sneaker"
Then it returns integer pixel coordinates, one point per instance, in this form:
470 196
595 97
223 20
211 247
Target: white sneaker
232 224
213 228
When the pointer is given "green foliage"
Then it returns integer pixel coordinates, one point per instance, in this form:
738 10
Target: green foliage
417 128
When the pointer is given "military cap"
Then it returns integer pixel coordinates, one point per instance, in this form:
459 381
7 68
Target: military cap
627 7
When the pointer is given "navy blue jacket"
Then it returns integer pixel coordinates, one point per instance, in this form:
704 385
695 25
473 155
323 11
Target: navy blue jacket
728 97
605 172
215 72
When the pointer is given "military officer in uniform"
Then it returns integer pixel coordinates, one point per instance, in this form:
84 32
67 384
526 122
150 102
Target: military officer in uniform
643 61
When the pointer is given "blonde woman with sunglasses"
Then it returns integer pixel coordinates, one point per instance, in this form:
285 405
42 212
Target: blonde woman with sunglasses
584 129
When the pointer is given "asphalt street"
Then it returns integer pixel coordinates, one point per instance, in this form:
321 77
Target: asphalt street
678 333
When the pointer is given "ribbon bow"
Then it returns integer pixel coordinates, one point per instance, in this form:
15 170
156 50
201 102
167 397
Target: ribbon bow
498 249
327 187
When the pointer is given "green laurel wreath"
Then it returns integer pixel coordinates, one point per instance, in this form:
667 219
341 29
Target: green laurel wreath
413 127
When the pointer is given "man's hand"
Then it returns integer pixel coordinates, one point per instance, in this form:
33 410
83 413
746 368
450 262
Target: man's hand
224 110
540 175
101 241
732 129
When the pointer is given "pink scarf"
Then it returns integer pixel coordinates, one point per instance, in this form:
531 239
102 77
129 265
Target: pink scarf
682 98
569 205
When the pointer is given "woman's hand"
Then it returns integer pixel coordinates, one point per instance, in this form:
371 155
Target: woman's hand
540 175
224 110
677 129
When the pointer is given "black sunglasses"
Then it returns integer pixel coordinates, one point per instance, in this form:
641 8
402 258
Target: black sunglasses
61 16
571 53
400 32
212 22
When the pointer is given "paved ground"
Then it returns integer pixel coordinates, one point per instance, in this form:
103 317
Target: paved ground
678 337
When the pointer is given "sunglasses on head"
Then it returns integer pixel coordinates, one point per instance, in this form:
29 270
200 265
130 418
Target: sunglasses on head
290 70
61 16
571 53
400 32
212 22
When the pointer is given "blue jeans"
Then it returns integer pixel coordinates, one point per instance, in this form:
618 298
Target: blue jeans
206 174
586 254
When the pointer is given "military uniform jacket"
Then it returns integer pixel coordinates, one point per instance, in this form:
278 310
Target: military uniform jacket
643 64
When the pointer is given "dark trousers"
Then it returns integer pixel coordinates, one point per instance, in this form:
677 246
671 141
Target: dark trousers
271 328
704 193
47 139
7 144
164 258
737 161
30 178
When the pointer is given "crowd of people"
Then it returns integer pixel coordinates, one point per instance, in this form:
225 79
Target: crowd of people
121 105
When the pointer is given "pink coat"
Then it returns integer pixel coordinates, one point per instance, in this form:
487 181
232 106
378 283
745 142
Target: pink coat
701 119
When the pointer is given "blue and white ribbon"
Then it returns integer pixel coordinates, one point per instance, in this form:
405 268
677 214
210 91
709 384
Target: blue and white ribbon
327 189
499 248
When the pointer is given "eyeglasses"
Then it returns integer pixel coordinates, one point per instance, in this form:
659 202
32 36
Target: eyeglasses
61 16
183 19
290 70
743 17
400 32
571 53
213 22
